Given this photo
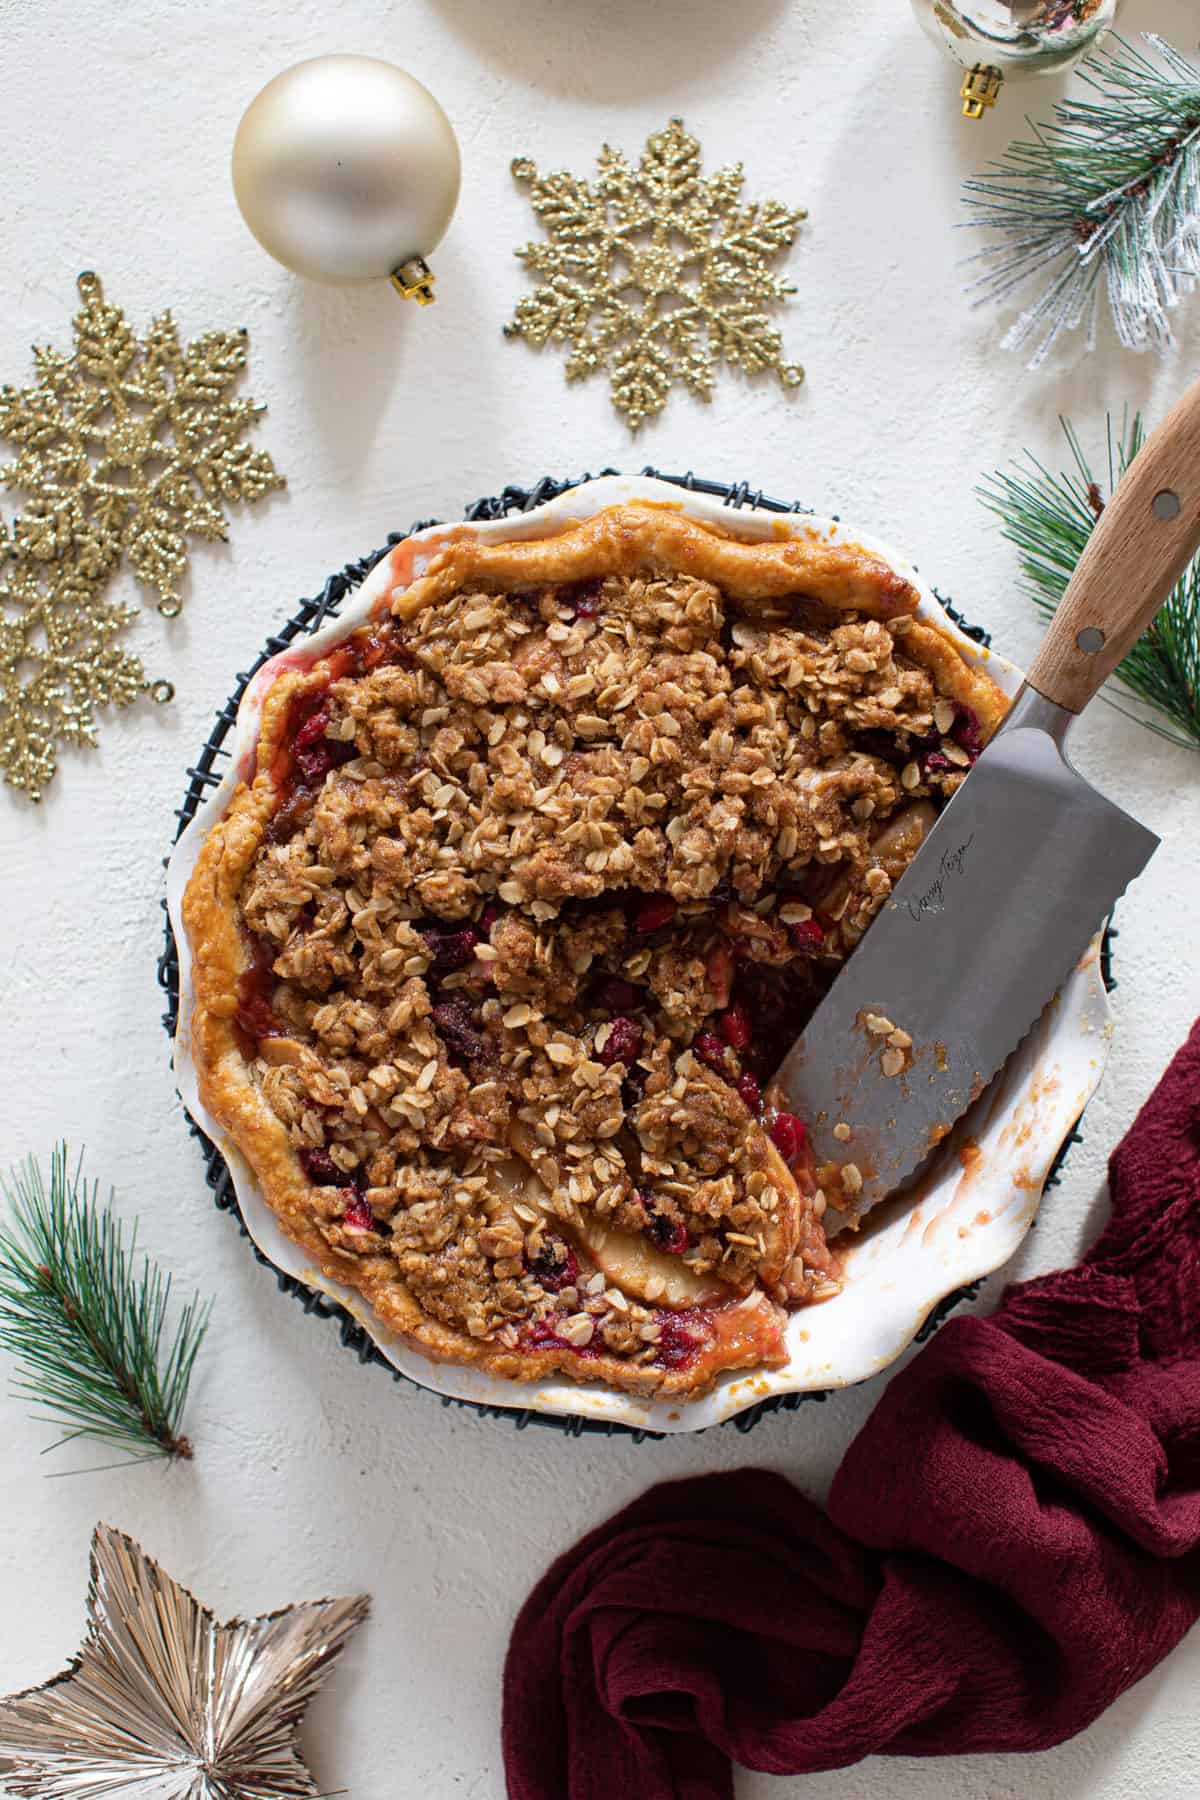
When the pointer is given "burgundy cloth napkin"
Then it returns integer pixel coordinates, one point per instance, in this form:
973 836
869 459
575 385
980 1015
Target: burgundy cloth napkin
1012 1540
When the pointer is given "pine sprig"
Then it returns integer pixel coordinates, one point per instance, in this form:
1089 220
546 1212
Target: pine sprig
1050 518
88 1320
1105 199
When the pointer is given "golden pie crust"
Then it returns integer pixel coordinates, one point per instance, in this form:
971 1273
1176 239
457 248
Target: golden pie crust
641 555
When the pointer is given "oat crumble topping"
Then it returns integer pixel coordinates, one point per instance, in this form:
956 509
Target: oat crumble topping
555 878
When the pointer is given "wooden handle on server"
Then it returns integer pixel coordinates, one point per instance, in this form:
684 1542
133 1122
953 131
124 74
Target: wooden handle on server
1141 545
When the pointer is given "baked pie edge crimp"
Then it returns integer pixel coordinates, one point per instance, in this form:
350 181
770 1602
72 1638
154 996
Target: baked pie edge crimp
630 542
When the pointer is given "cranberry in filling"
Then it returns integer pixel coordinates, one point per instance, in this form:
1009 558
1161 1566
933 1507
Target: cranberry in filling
787 1135
669 1234
808 936
450 949
965 730
542 1336
255 1017
458 1029
735 1027
315 753
652 913
623 1043
682 1336
320 1168
587 602
615 996
749 1092
555 1265
711 1051
303 764
312 730
358 1215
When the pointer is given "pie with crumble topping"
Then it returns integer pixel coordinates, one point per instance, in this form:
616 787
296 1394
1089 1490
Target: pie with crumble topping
534 879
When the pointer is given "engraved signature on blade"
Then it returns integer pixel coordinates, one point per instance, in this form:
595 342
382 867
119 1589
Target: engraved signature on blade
934 897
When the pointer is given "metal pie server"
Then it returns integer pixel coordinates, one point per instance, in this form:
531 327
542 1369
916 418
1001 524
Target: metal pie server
1020 869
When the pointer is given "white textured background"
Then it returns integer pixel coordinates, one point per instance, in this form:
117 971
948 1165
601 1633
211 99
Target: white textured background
313 1475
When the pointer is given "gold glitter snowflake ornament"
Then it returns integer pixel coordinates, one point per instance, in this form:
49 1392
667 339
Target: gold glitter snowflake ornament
59 661
132 446
656 273
126 448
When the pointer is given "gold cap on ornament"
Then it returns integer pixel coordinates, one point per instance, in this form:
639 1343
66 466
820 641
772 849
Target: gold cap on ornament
413 280
980 89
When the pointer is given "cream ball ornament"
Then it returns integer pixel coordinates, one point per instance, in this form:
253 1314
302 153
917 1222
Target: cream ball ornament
347 170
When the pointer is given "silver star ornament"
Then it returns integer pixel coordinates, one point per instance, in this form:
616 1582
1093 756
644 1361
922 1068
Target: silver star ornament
164 1703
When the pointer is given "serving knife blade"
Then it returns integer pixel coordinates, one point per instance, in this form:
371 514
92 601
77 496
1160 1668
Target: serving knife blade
986 923
1022 866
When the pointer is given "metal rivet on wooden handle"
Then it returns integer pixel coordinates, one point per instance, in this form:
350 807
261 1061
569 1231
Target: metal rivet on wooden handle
1140 546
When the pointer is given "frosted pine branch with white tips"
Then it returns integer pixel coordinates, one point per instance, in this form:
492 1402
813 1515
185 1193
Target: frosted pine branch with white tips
1104 199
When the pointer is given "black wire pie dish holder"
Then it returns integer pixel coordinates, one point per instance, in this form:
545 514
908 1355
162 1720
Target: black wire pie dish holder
210 770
